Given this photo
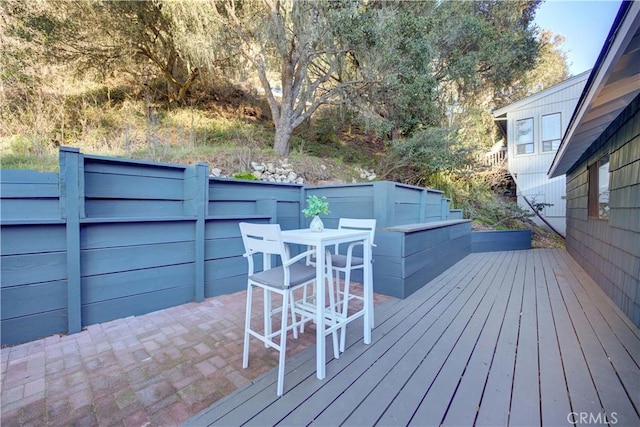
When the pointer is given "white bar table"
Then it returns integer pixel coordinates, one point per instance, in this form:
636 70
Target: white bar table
321 241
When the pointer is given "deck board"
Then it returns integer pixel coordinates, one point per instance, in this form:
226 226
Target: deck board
501 338
496 398
407 377
579 384
375 365
525 397
465 404
554 404
437 397
609 385
393 374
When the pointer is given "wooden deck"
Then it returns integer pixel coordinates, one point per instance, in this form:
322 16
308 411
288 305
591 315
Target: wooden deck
503 338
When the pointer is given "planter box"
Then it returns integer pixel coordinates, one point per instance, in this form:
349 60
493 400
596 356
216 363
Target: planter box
500 240
408 257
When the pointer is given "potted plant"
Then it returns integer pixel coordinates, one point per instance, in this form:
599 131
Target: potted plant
316 205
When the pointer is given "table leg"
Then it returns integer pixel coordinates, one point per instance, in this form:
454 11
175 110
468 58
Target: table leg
320 335
368 293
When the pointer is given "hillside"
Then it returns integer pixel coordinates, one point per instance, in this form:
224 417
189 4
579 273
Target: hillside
229 130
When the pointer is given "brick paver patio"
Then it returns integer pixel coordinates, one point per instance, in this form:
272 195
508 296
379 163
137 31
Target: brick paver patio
158 369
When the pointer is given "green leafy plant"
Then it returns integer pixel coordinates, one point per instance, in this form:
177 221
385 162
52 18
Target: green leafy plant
316 205
245 175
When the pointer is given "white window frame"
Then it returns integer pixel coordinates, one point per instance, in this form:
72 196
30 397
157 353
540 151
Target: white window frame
598 189
550 144
530 144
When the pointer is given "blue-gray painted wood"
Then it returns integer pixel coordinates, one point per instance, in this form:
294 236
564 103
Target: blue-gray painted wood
500 240
71 198
120 285
136 305
26 269
434 356
408 256
608 249
110 260
225 285
17 330
29 239
19 301
30 209
445 206
109 186
125 208
383 204
117 237
455 214
108 165
135 232
201 204
29 195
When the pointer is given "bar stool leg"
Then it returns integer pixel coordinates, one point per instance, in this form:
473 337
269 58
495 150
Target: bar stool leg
283 343
247 327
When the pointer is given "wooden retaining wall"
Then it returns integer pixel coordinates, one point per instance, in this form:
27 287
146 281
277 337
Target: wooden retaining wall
109 238
500 240
409 256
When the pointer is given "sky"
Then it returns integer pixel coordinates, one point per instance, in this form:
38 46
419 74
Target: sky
584 24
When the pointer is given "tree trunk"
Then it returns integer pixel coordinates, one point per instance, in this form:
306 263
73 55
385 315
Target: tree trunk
284 129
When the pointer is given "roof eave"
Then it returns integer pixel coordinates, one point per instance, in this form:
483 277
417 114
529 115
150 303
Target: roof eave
622 32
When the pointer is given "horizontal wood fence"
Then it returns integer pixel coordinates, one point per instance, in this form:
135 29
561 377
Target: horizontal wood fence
109 238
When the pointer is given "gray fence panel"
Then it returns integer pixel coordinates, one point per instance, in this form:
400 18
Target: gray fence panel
123 188
29 195
32 238
225 267
110 238
345 201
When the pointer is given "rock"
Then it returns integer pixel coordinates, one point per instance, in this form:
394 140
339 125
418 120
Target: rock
284 172
257 167
372 177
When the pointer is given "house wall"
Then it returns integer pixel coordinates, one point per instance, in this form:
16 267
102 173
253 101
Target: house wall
609 250
530 170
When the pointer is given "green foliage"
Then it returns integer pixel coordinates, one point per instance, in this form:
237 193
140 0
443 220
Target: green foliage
41 162
401 66
99 38
435 148
423 74
550 68
316 205
248 176
483 44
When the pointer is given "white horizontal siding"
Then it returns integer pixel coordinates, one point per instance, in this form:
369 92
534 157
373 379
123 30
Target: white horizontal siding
563 102
530 170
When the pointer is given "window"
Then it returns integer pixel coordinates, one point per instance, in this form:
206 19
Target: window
524 135
551 132
598 197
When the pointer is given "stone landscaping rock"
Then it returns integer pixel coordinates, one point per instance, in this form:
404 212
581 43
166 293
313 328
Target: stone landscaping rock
283 172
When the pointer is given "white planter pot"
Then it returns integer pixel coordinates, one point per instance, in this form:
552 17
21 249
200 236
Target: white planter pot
316 224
